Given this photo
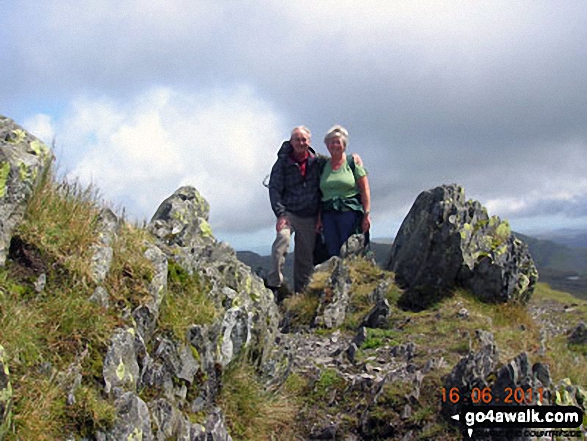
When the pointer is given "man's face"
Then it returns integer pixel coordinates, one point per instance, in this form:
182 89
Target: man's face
300 141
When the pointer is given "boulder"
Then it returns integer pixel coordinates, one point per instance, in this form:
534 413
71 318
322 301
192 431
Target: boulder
447 241
23 159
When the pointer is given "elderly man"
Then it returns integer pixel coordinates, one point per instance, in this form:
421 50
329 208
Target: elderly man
294 191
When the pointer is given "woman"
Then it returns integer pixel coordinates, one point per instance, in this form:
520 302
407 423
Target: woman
346 199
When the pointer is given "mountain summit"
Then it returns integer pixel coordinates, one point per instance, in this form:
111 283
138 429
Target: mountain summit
110 331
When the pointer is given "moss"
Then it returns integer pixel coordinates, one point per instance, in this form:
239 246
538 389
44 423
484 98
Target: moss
381 337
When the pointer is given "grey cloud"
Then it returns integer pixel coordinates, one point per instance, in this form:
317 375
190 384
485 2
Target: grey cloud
494 108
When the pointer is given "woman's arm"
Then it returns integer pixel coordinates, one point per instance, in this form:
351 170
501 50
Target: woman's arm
363 184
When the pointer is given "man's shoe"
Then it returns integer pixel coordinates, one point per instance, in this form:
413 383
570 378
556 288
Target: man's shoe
279 293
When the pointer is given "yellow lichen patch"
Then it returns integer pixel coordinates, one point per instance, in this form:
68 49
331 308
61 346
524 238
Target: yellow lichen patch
205 228
4 171
121 370
18 136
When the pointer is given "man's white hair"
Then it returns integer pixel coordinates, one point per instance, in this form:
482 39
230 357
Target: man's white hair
301 129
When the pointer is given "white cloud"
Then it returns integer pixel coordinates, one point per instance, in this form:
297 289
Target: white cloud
40 126
138 153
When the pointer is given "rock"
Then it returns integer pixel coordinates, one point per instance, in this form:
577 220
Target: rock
579 335
216 427
102 250
470 372
356 343
181 225
446 241
133 420
23 158
334 301
378 317
100 297
182 219
40 283
121 368
5 395
169 423
355 246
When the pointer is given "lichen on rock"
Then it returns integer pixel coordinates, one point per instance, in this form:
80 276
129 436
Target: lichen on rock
22 160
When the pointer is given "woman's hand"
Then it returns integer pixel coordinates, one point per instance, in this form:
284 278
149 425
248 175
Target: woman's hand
319 224
366 223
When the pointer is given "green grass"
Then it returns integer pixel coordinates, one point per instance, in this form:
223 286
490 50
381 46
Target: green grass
44 332
253 412
185 303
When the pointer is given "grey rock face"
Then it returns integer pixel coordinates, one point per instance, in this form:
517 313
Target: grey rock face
5 395
133 422
354 246
471 372
121 368
22 160
579 335
335 299
378 317
446 241
250 317
102 256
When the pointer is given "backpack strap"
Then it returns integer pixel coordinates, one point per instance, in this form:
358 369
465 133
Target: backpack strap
351 162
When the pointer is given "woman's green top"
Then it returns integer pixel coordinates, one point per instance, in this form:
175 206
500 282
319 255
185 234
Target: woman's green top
339 187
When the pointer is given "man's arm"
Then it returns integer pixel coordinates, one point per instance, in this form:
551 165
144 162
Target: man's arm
276 188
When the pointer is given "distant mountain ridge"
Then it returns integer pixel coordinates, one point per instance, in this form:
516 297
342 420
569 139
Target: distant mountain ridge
562 266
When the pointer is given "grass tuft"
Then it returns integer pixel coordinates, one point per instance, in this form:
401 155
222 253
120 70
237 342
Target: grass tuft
186 302
253 412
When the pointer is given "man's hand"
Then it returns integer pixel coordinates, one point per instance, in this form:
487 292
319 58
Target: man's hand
282 222
357 159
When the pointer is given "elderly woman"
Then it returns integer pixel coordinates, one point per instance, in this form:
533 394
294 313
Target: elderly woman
346 198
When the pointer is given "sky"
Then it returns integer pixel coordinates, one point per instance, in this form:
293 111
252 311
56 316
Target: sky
140 98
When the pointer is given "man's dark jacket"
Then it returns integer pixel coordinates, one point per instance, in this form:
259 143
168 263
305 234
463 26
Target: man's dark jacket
289 191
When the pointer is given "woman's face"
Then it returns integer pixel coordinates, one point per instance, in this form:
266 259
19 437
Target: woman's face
335 146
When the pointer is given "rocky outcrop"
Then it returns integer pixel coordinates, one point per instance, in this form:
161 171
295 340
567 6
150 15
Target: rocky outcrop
335 298
22 160
480 379
446 241
102 254
185 376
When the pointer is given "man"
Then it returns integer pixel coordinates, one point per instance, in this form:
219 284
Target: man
294 192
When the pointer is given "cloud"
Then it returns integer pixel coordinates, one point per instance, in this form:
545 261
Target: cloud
490 95
139 152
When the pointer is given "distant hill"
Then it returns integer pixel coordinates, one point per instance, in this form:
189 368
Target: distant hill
562 266
574 238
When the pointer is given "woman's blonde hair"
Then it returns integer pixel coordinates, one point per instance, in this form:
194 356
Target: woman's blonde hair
337 131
